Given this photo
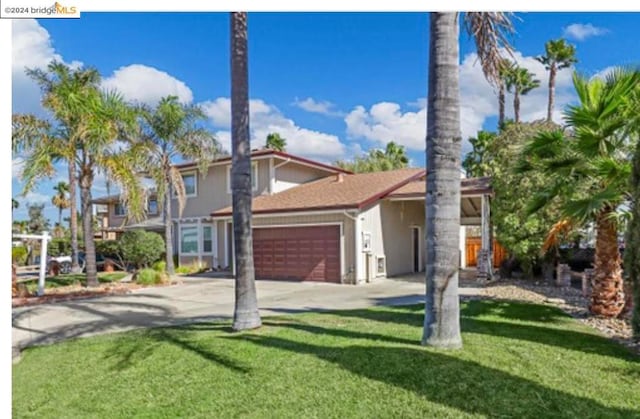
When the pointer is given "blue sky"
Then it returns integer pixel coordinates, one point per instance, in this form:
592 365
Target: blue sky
333 84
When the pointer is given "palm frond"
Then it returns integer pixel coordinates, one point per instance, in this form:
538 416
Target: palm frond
559 231
490 31
177 185
581 210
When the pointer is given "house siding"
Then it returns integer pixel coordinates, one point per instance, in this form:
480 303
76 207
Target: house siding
399 217
293 174
372 225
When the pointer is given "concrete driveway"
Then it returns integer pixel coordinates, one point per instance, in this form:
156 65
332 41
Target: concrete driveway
198 300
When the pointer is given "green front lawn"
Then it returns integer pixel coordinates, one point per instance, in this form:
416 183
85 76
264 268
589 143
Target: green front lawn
519 360
73 279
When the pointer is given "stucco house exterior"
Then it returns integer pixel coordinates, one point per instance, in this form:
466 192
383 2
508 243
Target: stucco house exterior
311 221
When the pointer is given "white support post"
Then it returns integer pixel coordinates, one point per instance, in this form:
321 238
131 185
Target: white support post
485 258
43 262
359 265
199 225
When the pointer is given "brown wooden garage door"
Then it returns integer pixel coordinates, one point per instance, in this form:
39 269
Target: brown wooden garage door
298 253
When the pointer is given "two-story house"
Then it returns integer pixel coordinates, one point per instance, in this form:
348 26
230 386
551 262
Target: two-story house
311 221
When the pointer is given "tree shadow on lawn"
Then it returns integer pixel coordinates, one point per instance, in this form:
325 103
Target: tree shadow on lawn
446 380
127 352
471 322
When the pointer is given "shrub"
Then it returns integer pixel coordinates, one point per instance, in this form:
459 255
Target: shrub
160 266
150 277
141 248
59 247
108 248
19 255
183 269
192 268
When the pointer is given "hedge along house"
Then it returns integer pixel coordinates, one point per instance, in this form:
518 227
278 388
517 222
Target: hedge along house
350 228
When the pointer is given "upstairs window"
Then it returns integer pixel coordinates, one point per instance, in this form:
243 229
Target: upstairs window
190 184
152 207
120 210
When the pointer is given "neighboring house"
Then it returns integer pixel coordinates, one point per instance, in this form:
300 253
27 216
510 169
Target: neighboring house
311 221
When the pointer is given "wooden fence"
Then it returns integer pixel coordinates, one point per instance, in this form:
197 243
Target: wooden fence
473 246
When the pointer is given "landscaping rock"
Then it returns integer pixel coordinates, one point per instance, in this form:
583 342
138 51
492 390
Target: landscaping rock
570 300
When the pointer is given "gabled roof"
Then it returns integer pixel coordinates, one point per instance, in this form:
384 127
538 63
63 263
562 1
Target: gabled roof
341 191
281 154
256 153
468 186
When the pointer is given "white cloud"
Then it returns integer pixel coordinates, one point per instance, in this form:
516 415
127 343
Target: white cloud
602 74
31 48
34 197
322 107
387 121
580 31
265 119
145 84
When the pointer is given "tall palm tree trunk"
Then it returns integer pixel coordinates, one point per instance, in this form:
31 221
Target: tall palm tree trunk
552 92
501 105
442 310
60 216
632 249
246 314
86 178
607 297
516 105
168 226
73 217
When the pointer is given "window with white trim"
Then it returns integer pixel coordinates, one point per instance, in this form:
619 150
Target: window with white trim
189 239
152 206
254 177
190 184
120 210
207 239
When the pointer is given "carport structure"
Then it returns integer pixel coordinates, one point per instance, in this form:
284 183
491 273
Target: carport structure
475 199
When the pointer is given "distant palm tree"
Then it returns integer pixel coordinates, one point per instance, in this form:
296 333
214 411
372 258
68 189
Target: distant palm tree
506 66
443 149
91 123
246 314
14 204
171 130
558 55
520 81
276 142
60 199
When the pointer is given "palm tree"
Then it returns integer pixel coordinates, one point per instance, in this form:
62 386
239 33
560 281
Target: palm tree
442 201
520 81
558 55
14 204
276 142
29 130
632 240
589 173
60 199
171 130
90 122
506 66
246 314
